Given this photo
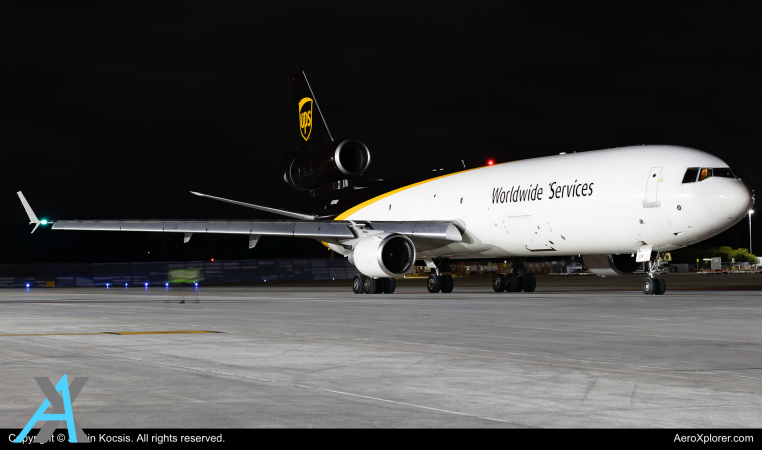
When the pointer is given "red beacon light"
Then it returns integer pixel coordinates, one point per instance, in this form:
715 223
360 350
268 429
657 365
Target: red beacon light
490 162
212 259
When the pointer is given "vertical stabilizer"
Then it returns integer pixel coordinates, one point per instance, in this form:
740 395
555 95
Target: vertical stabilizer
313 131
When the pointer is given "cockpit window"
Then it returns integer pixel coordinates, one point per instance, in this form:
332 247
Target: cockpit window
703 173
724 172
690 175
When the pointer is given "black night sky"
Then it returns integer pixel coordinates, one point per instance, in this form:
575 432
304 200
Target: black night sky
117 111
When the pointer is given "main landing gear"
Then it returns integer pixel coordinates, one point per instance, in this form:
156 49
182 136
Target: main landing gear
514 282
367 285
440 283
653 285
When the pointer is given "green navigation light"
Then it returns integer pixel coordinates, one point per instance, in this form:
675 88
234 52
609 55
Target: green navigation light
44 222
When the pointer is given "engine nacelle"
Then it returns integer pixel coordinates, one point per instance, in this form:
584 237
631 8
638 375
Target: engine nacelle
383 255
306 169
610 265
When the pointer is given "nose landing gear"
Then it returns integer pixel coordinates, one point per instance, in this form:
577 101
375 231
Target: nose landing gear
653 285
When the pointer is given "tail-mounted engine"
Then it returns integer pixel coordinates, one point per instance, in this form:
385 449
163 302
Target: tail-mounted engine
384 255
336 161
609 265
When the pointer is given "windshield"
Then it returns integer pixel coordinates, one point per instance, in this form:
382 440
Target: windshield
723 172
694 174
690 175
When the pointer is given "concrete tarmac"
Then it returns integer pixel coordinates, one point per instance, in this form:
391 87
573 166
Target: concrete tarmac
578 352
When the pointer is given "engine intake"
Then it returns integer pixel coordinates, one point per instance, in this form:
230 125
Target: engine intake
336 161
384 255
611 265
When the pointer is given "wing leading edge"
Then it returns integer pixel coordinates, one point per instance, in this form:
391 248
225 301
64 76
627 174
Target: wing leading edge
424 232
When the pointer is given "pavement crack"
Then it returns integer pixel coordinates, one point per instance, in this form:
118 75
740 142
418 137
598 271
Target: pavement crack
589 388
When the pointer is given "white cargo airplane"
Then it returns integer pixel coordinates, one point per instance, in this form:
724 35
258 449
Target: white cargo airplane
617 207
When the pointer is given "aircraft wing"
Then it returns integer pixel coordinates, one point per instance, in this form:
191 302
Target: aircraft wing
425 234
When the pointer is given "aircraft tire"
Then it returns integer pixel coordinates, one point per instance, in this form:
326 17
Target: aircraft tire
513 283
649 286
357 284
498 283
530 282
662 286
370 285
447 283
389 285
434 283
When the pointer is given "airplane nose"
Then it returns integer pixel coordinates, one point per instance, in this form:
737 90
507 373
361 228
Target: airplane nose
736 199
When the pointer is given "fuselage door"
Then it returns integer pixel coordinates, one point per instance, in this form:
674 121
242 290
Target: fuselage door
652 188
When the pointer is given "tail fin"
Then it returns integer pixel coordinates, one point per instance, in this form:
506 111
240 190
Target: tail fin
312 126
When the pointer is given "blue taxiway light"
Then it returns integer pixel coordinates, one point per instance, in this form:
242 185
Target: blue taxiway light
27 285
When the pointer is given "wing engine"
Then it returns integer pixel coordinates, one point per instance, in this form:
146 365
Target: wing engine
383 255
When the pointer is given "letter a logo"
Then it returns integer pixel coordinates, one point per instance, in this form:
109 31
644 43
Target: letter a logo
61 410
305 117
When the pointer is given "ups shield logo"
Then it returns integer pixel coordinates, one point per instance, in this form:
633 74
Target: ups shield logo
305 117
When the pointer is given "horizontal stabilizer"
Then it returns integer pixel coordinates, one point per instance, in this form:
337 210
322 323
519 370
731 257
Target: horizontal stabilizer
282 212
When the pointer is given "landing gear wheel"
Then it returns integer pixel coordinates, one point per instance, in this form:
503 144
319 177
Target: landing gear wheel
650 286
388 285
370 285
662 286
514 283
447 283
498 283
434 284
357 284
530 282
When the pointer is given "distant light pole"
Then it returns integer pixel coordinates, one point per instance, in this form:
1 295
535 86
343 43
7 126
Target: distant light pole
751 211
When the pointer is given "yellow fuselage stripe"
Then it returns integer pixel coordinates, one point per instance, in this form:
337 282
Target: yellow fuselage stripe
362 205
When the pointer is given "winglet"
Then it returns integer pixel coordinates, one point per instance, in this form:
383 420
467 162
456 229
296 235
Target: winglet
32 217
